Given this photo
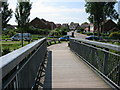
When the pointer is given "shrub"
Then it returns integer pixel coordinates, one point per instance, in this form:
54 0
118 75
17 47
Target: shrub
11 33
89 33
63 32
6 51
115 35
95 33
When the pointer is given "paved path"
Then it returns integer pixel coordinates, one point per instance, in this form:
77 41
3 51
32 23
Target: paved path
78 35
69 71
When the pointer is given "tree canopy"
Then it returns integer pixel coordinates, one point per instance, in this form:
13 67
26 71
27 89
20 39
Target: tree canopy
6 14
22 13
100 11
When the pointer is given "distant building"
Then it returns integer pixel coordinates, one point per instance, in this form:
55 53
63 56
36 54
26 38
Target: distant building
58 25
65 25
108 26
114 30
73 26
37 23
52 24
85 25
42 24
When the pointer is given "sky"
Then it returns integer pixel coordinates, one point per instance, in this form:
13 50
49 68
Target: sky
57 11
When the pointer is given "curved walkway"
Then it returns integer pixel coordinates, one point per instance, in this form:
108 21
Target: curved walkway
69 71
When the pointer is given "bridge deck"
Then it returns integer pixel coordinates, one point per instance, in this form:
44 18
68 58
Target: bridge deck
69 71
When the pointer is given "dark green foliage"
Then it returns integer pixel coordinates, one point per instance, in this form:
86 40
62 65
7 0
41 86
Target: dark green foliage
89 33
100 11
59 31
119 24
38 31
6 51
115 35
8 33
22 14
6 14
63 32
81 29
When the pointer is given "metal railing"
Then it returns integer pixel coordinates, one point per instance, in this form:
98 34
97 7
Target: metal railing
20 67
98 56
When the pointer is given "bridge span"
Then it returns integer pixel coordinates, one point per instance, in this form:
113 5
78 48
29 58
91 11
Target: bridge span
77 64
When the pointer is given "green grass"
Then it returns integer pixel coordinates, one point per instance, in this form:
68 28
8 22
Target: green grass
6 37
116 43
51 38
33 36
12 45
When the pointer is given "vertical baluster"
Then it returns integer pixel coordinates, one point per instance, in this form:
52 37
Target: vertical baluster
105 64
119 74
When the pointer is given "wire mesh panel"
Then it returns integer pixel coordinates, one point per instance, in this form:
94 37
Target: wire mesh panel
103 60
27 75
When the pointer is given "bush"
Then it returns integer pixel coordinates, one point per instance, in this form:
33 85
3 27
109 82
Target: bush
63 32
6 51
104 34
89 33
96 33
115 35
82 32
11 33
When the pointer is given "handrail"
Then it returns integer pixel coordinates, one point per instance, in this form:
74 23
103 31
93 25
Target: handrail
9 61
99 58
104 45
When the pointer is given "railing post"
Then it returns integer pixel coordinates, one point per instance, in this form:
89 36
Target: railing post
92 59
105 69
17 85
119 75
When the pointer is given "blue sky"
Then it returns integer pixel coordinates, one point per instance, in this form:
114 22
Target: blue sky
58 11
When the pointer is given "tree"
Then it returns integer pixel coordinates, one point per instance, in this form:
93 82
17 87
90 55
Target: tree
100 11
118 24
6 14
85 23
22 15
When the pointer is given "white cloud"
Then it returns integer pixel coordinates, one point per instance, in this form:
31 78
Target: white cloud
59 14
40 8
60 0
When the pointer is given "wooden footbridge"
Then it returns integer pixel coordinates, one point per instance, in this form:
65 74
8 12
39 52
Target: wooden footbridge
79 64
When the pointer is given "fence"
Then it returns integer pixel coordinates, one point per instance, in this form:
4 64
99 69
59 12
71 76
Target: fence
20 67
98 56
